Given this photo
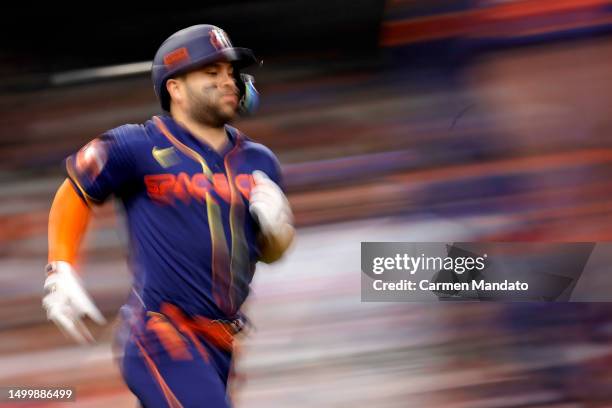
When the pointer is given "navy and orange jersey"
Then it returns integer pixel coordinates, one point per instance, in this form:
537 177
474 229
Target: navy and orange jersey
193 242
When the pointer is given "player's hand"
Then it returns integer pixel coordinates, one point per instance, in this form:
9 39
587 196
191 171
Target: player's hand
269 206
67 302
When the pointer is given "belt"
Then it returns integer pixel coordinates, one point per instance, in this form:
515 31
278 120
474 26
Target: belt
219 332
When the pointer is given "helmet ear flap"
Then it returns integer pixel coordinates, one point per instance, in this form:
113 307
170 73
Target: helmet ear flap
249 97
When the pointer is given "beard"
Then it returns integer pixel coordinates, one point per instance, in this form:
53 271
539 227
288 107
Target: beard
205 107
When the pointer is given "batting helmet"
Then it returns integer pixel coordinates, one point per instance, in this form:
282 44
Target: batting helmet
194 47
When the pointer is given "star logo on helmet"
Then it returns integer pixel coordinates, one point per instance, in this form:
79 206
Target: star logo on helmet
219 39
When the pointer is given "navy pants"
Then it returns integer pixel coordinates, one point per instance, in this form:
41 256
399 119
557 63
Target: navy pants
165 367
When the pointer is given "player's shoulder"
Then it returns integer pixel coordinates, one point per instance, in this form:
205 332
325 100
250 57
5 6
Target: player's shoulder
252 147
129 136
259 156
129 132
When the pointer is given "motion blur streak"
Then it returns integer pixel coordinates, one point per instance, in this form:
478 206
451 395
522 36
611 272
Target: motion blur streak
464 120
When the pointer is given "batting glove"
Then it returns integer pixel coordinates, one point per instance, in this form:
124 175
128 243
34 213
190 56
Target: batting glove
66 302
269 206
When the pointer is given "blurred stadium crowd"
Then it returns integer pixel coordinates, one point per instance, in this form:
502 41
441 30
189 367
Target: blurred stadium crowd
460 120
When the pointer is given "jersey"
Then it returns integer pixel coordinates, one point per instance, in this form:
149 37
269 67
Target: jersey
193 242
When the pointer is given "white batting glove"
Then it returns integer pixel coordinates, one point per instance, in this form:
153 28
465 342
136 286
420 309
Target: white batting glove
268 205
66 302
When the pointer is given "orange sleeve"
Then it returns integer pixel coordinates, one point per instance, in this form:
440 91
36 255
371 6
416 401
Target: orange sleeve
68 221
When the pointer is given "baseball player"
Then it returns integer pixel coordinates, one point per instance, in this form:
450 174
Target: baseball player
202 204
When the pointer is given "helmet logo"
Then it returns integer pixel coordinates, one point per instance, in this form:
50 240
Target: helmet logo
176 57
219 39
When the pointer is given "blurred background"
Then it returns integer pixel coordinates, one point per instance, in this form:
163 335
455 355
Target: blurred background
397 120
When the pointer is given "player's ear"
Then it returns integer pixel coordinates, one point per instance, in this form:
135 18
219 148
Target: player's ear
174 88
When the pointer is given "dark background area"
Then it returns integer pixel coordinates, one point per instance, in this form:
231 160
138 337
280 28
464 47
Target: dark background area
45 39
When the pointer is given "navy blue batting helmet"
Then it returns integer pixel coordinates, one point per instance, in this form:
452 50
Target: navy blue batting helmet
194 47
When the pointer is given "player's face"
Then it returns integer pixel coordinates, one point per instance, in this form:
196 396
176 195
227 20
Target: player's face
212 94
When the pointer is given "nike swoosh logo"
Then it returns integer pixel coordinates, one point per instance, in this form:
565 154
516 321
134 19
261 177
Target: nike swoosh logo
165 157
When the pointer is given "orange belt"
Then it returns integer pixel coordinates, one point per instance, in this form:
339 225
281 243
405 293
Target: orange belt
220 333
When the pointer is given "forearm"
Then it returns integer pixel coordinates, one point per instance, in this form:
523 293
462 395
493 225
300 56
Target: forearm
68 221
66 300
272 247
